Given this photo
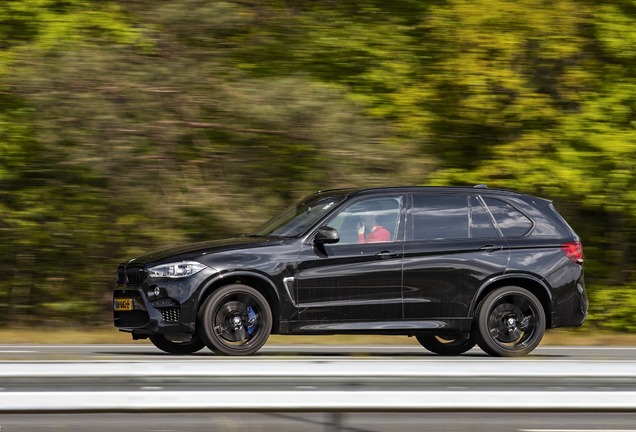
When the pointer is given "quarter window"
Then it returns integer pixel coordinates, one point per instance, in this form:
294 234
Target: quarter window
440 217
480 221
511 221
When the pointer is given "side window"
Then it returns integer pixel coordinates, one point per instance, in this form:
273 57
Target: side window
480 221
512 222
437 217
372 220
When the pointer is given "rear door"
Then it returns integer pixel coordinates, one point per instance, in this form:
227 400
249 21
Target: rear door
452 247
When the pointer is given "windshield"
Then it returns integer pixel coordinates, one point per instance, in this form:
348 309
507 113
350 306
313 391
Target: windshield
299 217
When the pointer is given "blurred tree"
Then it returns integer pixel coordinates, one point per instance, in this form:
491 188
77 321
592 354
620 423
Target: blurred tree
123 144
132 124
45 188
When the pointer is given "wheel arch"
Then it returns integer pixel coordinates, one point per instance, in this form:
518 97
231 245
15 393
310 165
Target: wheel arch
532 283
255 280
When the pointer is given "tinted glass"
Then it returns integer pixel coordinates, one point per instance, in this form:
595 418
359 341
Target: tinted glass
512 222
376 217
437 217
480 221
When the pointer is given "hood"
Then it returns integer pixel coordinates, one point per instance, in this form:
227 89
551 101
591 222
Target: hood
191 250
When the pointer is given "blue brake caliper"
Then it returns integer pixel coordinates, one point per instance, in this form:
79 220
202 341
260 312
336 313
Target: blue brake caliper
251 320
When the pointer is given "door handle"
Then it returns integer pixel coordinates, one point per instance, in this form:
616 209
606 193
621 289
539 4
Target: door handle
387 254
490 248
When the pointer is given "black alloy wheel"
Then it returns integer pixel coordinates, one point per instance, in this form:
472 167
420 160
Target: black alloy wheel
193 345
510 322
446 345
235 320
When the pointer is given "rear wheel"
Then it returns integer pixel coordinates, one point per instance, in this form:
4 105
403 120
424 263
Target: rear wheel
193 345
235 320
510 322
446 345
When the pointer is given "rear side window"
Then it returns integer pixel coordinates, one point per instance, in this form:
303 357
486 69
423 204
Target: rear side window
440 217
480 221
511 221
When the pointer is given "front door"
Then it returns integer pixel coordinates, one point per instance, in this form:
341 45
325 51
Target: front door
360 277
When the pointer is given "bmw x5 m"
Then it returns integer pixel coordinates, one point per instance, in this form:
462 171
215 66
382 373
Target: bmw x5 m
453 267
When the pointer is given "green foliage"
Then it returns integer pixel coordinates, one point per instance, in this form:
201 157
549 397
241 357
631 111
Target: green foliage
133 124
613 308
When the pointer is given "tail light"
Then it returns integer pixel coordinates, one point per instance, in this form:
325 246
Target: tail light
574 251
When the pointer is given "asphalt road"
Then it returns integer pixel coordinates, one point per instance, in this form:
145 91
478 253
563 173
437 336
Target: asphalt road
322 422
26 352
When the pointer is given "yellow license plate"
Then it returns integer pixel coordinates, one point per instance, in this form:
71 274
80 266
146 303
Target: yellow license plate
123 304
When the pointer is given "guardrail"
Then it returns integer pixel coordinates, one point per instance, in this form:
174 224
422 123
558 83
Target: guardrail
338 368
412 386
315 401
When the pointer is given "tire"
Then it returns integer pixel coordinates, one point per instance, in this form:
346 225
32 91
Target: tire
235 320
446 345
509 322
192 346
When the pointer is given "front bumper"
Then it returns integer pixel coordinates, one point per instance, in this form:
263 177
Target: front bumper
172 312
150 317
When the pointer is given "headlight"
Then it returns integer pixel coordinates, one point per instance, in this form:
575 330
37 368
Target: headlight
176 270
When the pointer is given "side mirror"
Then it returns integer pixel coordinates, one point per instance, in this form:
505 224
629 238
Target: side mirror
326 235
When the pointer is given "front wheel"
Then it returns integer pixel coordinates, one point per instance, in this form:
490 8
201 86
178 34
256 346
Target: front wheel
235 320
510 322
446 345
193 345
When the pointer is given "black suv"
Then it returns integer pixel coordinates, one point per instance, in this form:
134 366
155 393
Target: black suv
450 266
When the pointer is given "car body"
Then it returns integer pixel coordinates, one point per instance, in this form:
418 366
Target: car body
450 266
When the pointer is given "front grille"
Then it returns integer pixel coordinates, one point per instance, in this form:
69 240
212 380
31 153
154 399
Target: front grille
171 314
135 275
121 275
135 318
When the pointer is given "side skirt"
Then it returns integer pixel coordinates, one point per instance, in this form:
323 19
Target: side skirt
411 327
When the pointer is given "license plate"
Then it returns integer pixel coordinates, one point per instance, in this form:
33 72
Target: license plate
123 304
